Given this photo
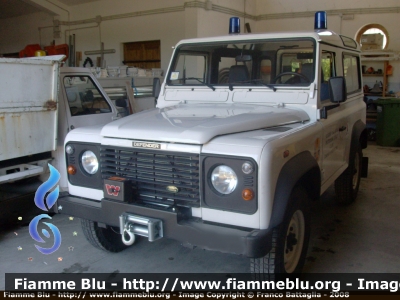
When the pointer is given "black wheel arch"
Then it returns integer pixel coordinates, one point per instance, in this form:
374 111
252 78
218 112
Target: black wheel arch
359 135
302 170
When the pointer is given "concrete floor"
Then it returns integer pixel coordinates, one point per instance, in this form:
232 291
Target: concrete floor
362 237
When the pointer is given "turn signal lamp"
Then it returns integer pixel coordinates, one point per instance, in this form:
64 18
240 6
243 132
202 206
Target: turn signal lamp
71 170
234 25
247 194
321 22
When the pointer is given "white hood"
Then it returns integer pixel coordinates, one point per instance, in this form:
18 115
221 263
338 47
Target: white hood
199 123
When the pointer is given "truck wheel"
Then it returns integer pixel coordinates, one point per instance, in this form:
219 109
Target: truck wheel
348 183
107 239
289 240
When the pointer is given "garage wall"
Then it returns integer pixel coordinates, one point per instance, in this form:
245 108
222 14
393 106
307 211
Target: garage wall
186 19
169 28
215 23
277 15
124 21
18 32
285 6
189 19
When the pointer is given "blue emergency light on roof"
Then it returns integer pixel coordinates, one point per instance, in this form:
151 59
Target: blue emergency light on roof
321 22
234 25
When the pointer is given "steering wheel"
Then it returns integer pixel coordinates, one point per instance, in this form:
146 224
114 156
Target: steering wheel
292 73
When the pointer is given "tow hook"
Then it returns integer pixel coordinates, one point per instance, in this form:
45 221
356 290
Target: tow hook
128 237
131 225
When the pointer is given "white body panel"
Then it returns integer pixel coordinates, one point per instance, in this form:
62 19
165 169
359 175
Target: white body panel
28 106
199 123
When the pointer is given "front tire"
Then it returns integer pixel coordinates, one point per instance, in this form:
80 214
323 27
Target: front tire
289 240
348 183
107 239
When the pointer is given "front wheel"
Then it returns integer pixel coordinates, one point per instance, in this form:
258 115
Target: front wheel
289 240
108 239
348 183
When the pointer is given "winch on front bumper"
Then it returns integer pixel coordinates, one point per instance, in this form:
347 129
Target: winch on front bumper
189 231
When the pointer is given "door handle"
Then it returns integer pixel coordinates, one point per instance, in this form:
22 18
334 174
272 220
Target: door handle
343 128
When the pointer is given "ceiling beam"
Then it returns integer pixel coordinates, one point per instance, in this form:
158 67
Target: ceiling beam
53 7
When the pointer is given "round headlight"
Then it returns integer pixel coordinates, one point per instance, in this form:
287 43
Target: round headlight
89 162
224 179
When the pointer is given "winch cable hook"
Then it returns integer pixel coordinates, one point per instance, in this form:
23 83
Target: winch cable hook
128 233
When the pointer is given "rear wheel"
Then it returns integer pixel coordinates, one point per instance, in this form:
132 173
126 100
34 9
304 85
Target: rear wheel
348 183
107 239
289 240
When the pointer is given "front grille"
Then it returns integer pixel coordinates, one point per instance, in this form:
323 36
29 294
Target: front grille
154 174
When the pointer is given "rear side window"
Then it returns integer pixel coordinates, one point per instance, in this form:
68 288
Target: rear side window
351 72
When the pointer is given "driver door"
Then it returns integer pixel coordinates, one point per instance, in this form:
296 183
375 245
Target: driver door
85 104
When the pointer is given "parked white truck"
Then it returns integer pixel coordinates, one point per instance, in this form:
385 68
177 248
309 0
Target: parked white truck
39 103
248 130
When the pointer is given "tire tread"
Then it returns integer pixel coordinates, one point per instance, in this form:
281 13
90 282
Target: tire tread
97 237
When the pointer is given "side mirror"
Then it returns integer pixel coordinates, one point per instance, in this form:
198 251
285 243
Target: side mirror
121 102
337 89
156 87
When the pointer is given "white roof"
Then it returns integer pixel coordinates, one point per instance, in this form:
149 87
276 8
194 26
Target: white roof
321 36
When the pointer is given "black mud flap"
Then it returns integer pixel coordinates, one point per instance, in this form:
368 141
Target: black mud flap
364 168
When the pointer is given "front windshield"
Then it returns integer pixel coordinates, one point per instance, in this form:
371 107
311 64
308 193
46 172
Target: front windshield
284 62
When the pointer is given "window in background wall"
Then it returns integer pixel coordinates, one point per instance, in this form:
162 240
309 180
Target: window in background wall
144 55
373 37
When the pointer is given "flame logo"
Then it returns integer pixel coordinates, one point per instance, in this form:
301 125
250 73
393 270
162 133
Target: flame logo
39 201
35 235
45 187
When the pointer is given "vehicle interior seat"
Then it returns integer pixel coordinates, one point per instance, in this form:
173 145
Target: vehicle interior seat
238 73
307 70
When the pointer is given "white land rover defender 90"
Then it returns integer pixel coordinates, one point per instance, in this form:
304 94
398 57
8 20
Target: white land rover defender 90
248 130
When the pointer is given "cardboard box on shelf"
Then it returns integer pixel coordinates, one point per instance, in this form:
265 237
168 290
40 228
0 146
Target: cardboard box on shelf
372 39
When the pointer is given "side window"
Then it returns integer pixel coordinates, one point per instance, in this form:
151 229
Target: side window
83 97
351 72
327 71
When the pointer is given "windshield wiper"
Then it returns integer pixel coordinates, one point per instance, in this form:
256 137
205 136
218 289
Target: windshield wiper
262 83
202 82
252 81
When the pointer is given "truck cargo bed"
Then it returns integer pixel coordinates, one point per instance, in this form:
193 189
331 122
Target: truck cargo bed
28 106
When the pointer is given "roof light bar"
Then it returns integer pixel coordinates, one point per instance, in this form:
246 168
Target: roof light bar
234 25
321 22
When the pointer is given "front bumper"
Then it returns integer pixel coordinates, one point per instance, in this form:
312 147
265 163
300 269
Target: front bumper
251 243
